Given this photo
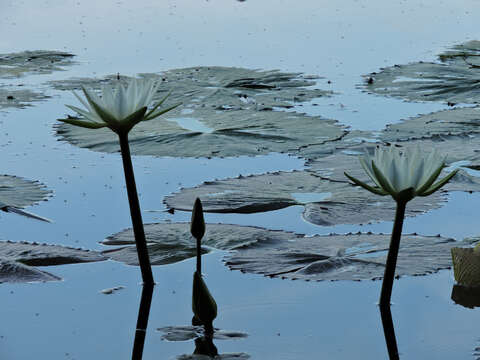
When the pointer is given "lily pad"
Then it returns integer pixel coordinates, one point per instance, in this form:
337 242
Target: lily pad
19 64
228 356
342 257
225 112
461 150
18 98
455 78
168 243
14 272
326 202
458 121
186 333
18 192
221 87
18 258
222 134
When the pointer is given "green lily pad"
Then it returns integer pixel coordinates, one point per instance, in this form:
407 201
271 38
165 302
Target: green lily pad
221 87
455 78
458 149
233 133
14 272
326 202
19 64
11 97
227 356
18 192
458 121
16 65
342 257
168 243
17 260
186 333
225 112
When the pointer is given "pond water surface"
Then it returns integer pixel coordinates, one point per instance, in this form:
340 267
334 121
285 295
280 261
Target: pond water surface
284 319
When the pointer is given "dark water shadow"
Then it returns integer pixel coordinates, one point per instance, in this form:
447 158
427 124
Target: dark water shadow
389 332
142 321
466 296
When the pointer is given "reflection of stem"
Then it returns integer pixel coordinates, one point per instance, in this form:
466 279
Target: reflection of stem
135 213
391 264
204 346
389 332
142 322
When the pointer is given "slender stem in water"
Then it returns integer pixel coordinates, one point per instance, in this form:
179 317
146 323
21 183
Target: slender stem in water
199 256
135 213
391 264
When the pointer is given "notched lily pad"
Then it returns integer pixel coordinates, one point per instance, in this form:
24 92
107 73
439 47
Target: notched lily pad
342 257
455 79
18 192
33 62
168 243
326 202
225 112
17 260
218 87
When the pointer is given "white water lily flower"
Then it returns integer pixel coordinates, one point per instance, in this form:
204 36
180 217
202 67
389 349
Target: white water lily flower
403 174
119 107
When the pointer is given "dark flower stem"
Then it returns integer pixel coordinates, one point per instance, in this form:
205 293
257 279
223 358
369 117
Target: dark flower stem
391 264
135 213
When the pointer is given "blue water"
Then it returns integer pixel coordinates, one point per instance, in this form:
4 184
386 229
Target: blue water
284 319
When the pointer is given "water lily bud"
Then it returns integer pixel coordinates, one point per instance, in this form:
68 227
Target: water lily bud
203 304
197 225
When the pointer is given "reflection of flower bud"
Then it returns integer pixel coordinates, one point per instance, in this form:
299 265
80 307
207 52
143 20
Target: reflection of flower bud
197 225
203 304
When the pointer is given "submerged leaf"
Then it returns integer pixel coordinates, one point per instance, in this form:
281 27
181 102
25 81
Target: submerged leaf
342 257
225 112
455 79
18 258
326 202
168 243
